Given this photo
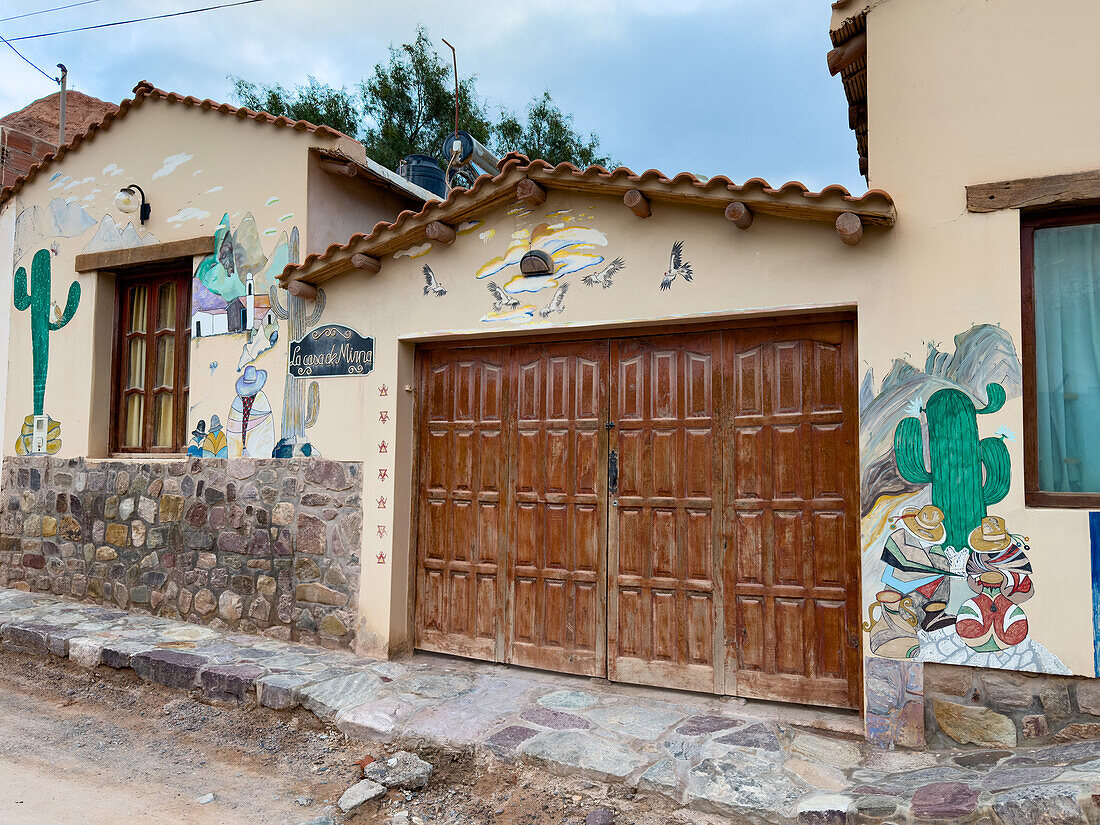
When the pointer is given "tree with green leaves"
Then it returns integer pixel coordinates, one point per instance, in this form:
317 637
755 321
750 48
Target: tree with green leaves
316 102
407 106
548 134
409 103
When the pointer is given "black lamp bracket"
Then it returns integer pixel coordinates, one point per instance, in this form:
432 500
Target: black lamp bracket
146 209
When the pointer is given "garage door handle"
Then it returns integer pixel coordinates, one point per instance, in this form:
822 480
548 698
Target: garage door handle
613 472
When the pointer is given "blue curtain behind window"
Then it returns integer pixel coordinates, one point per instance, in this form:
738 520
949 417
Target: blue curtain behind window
1067 344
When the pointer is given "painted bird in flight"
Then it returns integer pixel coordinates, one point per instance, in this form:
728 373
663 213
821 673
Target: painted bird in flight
604 276
557 303
676 266
501 299
431 283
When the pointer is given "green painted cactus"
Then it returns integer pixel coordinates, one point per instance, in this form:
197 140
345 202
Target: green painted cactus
957 458
38 299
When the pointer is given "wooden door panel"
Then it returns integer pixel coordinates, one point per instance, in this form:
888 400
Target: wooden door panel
794 572
460 603
558 497
831 639
664 608
830 552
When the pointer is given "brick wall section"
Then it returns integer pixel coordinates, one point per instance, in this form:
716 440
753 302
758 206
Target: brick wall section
258 545
19 152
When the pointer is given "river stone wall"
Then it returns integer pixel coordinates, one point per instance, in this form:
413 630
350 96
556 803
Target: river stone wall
258 545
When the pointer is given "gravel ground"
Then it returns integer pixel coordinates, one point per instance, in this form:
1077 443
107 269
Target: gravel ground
84 749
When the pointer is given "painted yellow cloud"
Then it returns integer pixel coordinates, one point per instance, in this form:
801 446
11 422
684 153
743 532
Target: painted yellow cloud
572 248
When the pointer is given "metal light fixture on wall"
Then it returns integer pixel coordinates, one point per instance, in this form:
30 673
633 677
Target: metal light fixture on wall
127 201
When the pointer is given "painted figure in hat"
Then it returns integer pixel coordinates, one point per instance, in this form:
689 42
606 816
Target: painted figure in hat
251 424
198 436
214 445
917 567
999 573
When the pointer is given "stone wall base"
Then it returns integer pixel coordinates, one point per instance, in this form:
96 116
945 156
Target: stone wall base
1002 708
916 705
258 545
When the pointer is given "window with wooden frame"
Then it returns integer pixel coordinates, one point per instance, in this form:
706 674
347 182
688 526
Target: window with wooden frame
150 369
1060 262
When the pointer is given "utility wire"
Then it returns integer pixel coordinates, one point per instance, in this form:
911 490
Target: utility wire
47 11
32 65
136 20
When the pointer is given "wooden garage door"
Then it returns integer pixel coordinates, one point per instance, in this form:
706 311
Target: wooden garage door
664 607
724 558
792 570
558 537
463 476
512 533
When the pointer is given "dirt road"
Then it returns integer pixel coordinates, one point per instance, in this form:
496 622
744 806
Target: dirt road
91 749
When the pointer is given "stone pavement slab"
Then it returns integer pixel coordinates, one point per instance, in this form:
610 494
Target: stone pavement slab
752 762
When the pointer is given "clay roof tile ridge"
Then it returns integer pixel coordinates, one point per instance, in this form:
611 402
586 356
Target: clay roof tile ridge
513 161
145 89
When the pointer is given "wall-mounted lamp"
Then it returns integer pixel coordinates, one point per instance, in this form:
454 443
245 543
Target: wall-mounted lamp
536 262
127 201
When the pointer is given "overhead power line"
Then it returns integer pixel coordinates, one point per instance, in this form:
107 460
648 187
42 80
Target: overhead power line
47 11
135 20
25 60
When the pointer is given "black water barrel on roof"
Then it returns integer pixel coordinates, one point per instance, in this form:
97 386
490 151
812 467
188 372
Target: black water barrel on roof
424 172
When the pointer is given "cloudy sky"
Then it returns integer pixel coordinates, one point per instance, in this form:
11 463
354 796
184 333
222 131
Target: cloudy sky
734 87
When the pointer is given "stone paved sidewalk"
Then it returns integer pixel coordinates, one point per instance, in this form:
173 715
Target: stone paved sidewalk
753 762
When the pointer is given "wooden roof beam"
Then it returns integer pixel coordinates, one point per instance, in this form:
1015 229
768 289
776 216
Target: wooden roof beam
849 227
847 53
530 192
334 167
361 261
637 203
739 215
440 232
857 116
301 289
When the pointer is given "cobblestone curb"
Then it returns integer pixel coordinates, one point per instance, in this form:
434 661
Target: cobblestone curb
711 754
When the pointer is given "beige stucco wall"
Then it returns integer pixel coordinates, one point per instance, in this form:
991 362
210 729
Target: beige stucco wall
340 206
7 250
195 167
962 93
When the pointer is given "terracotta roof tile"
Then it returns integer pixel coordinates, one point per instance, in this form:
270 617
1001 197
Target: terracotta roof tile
488 191
147 91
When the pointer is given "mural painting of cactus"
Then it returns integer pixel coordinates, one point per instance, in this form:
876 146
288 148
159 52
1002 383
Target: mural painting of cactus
36 296
300 405
956 459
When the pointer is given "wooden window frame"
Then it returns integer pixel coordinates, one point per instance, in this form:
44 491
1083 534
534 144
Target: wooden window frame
180 269
1029 222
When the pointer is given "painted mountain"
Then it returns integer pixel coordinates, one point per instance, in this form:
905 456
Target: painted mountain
58 219
983 354
238 254
108 236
